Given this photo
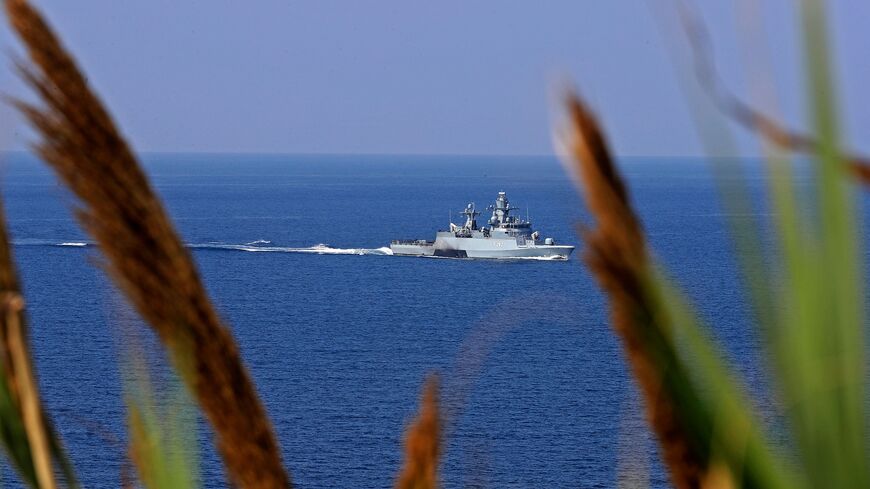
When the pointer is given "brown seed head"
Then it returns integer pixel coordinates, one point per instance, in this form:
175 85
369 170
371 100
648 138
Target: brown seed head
144 254
423 443
618 258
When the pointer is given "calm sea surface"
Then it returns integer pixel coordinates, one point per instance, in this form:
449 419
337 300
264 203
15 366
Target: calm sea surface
339 344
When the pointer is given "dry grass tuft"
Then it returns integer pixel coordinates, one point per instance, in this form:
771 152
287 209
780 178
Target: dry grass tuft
144 254
423 443
617 255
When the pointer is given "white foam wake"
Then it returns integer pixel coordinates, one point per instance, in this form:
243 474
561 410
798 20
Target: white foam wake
542 258
259 246
319 249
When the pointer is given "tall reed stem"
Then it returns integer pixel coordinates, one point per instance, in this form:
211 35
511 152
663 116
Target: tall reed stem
145 256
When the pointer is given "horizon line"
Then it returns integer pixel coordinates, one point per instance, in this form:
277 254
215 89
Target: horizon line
386 154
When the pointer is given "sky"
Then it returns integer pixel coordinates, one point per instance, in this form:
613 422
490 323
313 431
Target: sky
432 77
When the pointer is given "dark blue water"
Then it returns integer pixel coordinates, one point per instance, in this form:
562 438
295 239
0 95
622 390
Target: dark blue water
339 344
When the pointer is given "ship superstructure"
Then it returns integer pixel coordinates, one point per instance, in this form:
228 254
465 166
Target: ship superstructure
506 236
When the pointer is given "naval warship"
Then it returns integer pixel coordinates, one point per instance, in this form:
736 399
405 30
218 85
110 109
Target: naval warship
507 236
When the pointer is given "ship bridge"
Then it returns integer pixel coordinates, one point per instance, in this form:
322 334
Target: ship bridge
502 218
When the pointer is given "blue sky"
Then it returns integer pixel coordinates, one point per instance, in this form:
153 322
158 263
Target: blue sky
403 76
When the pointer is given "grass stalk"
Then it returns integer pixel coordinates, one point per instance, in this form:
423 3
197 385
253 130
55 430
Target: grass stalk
162 430
25 431
769 129
144 254
31 411
617 256
689 393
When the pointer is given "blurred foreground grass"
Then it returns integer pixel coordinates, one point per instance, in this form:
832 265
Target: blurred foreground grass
808 298
808 304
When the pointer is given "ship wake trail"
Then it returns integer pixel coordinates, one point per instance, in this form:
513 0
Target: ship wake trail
319 249
254 246
259 246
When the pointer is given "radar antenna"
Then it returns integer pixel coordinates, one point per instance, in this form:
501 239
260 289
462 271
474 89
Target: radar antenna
470 214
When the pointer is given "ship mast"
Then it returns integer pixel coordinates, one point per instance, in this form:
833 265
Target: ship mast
470 214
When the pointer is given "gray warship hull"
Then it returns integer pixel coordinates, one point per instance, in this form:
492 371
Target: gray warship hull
413 247
507 238
492 248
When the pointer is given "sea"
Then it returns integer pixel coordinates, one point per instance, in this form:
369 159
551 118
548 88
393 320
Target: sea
339 335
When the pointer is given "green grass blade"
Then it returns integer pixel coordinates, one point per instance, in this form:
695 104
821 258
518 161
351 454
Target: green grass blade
822 359
735 436
13 436
162 434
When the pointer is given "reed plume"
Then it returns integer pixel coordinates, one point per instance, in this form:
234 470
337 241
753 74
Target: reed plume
618 257
423 443
144 254
688 390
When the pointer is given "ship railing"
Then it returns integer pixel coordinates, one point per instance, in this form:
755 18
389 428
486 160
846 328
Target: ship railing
515 225
419 242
